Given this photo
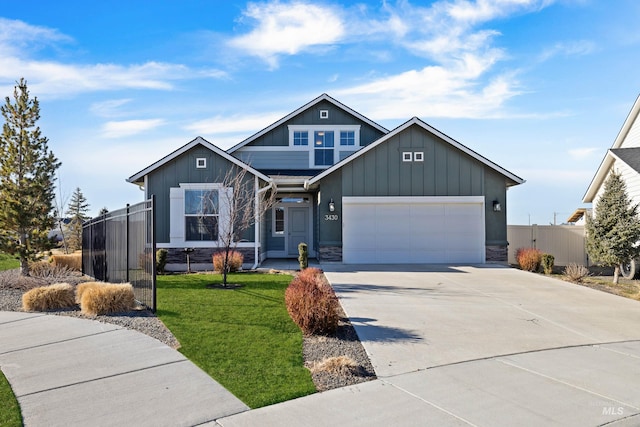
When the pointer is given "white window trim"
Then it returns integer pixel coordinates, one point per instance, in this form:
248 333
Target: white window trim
324 114
201 163
336 140
177 232
273 221
407 156
418 156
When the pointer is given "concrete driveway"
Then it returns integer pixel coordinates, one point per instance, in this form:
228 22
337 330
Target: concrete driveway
480 346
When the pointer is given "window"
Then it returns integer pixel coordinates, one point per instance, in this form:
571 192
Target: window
324 114
278 220
201 215
201 163
418 156
347 137
407 156
300 138
323 147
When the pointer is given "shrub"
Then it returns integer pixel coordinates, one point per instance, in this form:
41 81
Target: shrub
49 270
82 287
107 298
72 261
529 259
235 261
161 260
311 303
53 297
575 272
547 261
303 256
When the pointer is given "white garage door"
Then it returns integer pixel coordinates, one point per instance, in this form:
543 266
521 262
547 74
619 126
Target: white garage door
413 230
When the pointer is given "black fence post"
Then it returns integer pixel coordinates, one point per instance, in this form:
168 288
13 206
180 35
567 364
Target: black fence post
153 251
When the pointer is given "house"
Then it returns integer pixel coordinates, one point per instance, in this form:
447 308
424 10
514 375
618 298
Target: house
352 190
623 157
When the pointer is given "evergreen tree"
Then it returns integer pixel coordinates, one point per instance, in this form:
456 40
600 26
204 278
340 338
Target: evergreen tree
77 214
614 230
27 173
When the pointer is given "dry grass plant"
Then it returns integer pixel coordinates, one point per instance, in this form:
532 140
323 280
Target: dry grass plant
72 261
107 299
45 298
82 288
235 261
576 273
340 365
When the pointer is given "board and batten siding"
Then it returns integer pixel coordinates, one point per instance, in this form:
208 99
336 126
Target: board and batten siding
183 170
279 136
277 159
443 172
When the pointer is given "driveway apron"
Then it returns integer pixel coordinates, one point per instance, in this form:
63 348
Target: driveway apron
491 345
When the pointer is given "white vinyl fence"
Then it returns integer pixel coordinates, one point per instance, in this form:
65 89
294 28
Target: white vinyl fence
564 242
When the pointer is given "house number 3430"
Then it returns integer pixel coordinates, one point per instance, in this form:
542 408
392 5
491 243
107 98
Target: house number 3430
331 217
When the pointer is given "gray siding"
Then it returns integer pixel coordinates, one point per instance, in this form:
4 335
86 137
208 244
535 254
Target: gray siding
280 135
282 159
183 169
445 171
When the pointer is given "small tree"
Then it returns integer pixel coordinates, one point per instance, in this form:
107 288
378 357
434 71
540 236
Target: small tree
77 213
614 231
27 173
239 209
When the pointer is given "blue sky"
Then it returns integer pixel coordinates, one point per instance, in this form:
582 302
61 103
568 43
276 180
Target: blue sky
540 87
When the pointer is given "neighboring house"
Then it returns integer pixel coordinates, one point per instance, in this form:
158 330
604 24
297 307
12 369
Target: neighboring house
349 188
623 157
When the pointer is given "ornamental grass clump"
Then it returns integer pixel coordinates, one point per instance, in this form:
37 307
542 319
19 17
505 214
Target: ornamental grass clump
52 297
529 259
312 304
107 298
576 273
234 262
71 261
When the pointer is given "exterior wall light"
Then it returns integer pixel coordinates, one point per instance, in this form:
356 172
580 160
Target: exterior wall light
332 206
496 206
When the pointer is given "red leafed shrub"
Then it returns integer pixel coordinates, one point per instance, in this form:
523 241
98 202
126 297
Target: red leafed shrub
529 259
235 261
311 303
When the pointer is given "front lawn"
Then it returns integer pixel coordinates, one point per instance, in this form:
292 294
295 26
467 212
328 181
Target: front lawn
8 262
242 337
9 409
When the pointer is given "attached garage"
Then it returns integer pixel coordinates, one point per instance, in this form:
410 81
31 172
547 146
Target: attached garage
413 230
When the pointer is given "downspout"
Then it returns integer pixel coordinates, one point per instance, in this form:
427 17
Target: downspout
256 228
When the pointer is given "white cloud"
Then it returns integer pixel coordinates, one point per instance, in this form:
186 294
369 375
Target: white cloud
119 129
287 29
109 108
573 48
57 79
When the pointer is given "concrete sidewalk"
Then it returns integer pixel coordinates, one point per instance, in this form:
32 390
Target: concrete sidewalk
66 371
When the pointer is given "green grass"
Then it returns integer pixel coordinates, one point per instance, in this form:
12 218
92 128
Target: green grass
242 337
8 262
9 410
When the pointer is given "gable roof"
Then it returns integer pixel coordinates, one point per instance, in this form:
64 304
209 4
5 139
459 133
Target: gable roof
630 156
323 97
515 180
138 178
607 162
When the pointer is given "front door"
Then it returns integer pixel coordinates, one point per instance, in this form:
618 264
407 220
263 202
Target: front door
298 229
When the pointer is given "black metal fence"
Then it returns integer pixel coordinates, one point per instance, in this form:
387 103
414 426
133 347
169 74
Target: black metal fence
120 247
